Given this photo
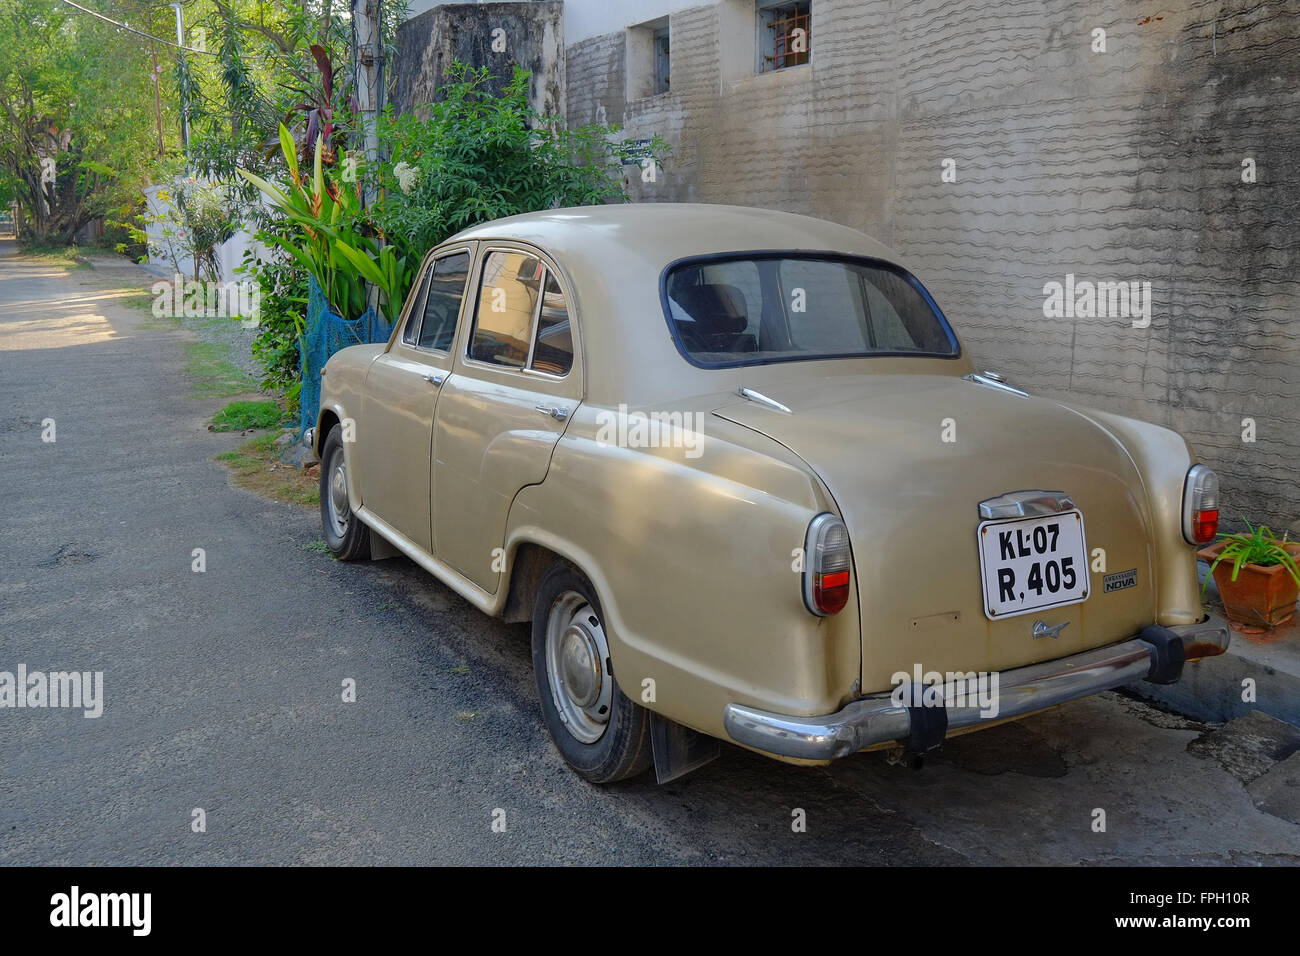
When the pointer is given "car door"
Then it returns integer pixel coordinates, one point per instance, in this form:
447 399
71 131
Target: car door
396 431
516 381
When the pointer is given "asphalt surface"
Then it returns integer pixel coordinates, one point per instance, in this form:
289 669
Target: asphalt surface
223 689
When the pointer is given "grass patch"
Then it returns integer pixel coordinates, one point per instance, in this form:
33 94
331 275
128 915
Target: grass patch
214 375
143 302
69 256
139 300
319 546
239 416
255 465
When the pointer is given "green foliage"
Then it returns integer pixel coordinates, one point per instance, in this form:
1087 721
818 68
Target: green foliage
477 157
283 286
238 416
195 222
1258 546
480 157
330 242
77 129
212 372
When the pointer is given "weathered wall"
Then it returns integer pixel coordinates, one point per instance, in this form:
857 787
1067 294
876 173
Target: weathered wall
532 37
1122 165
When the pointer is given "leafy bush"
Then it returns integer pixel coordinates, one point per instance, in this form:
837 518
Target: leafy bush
480 157
331 241
477 157
195 222
282 283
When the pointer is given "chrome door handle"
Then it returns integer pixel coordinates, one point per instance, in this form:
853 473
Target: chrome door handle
555 411
435 378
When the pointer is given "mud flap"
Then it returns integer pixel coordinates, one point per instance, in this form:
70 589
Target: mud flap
929 725
678 750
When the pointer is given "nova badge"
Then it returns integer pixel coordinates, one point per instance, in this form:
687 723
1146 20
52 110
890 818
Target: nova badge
1119 580
1042 630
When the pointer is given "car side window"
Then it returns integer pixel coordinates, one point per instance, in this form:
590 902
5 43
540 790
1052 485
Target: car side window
411 332
446 289
553 348
507 302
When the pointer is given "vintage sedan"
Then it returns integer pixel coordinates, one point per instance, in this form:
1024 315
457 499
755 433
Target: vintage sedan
738 472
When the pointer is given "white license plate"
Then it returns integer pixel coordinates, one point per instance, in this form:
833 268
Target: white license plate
1030 564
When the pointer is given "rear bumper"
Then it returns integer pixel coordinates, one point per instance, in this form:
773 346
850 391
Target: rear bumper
1157 655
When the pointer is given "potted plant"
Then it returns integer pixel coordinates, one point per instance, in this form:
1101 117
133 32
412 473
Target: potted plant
1256 574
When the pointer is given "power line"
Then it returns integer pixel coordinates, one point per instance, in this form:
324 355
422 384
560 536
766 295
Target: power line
132 29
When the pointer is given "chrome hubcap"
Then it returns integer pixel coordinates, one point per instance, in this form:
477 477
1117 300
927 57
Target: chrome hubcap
339 508
577 667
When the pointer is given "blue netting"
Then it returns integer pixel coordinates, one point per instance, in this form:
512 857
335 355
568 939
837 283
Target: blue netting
326 333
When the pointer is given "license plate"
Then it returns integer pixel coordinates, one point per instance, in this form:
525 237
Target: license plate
1031 564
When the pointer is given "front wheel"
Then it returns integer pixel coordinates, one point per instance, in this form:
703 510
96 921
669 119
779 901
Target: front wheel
348 538
598 730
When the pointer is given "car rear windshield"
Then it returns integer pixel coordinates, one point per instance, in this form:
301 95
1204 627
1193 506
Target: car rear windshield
771 307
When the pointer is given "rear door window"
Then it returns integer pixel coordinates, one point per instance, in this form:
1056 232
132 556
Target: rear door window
507 303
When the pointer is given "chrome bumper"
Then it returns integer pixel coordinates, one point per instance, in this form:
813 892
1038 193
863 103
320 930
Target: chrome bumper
877 719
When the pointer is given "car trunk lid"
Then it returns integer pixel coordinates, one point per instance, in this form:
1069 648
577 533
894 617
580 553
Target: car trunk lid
908 459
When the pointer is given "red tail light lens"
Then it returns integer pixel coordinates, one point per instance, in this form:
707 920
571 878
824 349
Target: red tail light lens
1200 505
826 566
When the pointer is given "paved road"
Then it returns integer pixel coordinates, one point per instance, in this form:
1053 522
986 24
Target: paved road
222 689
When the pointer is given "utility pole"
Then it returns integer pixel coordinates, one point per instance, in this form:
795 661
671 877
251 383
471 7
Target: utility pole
368 73
180 42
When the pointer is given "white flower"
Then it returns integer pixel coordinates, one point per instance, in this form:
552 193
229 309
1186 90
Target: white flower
406 176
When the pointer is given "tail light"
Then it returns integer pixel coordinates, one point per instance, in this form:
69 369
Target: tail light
826 566
1200 505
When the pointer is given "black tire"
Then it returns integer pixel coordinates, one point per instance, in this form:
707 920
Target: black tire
623 750
352 541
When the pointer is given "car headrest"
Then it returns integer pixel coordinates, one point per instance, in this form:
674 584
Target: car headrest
717 309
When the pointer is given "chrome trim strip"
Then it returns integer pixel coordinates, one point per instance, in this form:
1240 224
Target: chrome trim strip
462 585
762 399
1026 504
876 719
987 379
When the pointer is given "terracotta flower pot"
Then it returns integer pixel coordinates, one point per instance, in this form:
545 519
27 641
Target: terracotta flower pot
1261 596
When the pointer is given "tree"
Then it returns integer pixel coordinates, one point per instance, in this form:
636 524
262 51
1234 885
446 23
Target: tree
76 116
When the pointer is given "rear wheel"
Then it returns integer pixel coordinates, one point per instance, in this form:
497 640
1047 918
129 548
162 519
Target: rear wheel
598 730
348 538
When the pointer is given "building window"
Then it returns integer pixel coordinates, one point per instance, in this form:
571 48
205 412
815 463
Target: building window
647 59
784 34
661 60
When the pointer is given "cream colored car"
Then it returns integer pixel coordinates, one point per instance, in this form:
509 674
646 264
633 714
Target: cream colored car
737 471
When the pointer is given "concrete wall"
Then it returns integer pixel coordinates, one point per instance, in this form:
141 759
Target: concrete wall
1116 165
531 36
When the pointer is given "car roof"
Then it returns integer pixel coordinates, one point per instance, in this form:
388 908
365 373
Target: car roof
584 235
613 257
